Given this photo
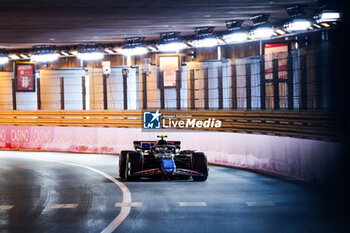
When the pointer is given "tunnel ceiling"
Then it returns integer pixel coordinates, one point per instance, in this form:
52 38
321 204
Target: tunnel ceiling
25 23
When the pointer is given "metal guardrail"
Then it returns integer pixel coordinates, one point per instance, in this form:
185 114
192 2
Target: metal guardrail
72 118
314 125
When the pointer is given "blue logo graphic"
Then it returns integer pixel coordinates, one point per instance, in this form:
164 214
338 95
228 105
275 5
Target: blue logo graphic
151 120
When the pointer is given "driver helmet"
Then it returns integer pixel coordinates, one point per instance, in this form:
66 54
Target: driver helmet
162 142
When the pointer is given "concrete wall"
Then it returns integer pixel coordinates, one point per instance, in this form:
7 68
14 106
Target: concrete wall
6 90
25 100
115 93
50 89
300 159
199 72
96 89
153 92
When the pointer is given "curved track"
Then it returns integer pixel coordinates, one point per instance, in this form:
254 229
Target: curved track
61 192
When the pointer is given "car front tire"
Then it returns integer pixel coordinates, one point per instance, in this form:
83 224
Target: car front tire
200 164
129 163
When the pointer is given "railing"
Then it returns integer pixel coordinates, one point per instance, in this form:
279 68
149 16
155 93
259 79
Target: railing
298 80
72 118
313 125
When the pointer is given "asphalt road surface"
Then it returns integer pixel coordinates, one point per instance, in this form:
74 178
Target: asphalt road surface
62 192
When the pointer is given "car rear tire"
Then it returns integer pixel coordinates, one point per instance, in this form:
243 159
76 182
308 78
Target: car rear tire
200 164
129 163
123 163
135 164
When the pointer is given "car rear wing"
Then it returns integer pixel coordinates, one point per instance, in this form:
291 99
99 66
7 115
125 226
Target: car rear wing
148 144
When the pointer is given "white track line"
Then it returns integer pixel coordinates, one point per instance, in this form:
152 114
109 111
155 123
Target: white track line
6 207
192 204
125 210
132 204
64 206
262 203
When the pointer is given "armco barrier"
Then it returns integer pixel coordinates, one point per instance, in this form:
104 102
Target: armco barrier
301 159
321 125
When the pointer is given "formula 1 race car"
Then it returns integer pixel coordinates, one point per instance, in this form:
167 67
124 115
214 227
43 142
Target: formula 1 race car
162 159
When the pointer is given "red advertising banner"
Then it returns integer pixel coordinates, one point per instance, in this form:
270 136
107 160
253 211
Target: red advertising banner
25 77
68 139
169 65
276 51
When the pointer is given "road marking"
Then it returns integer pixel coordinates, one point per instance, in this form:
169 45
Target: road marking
261 203
124 211
192 204
132 204
6 207
64 206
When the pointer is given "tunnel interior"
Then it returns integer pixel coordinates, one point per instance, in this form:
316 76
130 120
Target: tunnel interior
80 81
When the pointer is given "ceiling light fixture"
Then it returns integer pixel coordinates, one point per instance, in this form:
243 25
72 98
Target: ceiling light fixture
325 25
204 37
3 58
44 53
237 36
109 51
280 31
14 56
152 48
64 53
316 25
24 56
89 52
235 33
262 32
74 52
327 16
90 56
297 25
297 19
44 58
262 29
170 42
134 47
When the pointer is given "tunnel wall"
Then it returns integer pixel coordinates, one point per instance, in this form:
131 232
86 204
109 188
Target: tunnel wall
6 90
301 159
